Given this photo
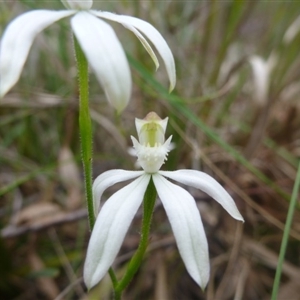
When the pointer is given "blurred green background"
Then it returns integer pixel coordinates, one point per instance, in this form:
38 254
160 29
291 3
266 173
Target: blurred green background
233 114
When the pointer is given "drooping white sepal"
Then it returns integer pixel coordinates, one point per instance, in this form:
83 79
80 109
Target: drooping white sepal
105 56
110 229
187 227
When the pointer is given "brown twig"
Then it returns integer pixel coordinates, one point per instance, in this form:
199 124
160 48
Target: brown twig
12 231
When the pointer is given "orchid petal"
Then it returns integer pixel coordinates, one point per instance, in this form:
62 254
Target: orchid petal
106 57
110 229
17 40
152 34
145 43
187 227
208 185
107 179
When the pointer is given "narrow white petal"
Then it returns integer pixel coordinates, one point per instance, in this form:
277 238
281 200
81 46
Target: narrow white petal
106 57
107 179
110 229
207 184
152 34
187 226
17 40
144 43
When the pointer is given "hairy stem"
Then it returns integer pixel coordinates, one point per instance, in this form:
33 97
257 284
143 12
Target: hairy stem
85 127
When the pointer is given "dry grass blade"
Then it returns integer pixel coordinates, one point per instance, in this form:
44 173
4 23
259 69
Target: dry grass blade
161 287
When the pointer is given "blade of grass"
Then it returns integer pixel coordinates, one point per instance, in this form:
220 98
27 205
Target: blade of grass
286 233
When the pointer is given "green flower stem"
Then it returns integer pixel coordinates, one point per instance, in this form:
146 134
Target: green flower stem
286 233
85 126
86 136
113 278
149 201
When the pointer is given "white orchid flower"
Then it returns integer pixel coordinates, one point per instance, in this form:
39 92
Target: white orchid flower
118 211
262 70
97 40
